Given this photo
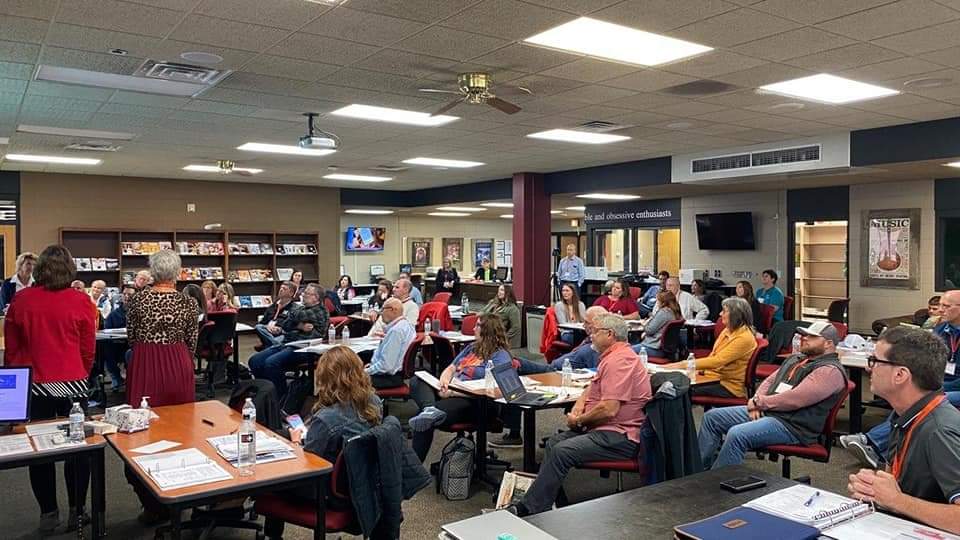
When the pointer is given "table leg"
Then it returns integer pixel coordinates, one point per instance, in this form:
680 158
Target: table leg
530 440
98 494
482 439
320 531
236 358
175 522
78 489
856 400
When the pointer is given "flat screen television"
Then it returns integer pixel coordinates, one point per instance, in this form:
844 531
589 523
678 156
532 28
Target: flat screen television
365 238
730 231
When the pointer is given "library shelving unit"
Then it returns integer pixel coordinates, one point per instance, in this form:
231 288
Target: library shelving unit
822 267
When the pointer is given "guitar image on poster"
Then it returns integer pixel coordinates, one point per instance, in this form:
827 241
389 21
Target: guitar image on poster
889 248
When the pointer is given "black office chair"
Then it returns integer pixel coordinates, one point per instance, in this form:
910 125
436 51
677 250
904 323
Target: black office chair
214 348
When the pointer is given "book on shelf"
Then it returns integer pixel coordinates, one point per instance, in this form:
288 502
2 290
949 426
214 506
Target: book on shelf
250 248
144 248
200 248
243 275
98 264
245 301
284 274
266 248
84 264
112 264
262 300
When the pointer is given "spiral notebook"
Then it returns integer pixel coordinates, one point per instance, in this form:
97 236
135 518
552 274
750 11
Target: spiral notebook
811 506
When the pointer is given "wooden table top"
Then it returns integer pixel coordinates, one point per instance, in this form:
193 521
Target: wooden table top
184 424
93 442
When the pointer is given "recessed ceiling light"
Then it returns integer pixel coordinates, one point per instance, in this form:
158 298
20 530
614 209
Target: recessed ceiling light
398 116
434 162
497 204
828 88
115 81
448 214
615 42
53 159
284 149
358 177
506 216
576 208
461 209
569 135
608 196
556 211
68 132
201 57
368 212
955 164
216 169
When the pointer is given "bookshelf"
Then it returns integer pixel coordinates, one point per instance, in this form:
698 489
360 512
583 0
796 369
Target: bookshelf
821 271
215 255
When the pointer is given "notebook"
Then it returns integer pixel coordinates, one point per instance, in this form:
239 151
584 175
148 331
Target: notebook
743 523
811 506
492 525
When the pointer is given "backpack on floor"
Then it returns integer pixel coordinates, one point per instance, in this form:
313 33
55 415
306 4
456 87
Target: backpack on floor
456 468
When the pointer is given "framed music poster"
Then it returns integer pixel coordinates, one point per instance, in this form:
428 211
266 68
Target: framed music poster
420 251
453 250
482 249
890 249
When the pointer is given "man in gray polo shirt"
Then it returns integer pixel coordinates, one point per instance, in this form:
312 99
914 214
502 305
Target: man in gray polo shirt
922 481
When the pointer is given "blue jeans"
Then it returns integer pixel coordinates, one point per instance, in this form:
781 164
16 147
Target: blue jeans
651 351
530 367
266 337
879 436
739 435
272 364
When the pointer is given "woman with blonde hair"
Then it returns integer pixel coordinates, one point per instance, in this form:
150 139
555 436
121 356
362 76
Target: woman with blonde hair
225 299
22 279
209 289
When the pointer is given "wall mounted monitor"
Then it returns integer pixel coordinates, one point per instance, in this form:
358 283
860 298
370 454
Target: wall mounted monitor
365 238
729 231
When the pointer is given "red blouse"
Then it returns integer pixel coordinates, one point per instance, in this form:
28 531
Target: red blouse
623 306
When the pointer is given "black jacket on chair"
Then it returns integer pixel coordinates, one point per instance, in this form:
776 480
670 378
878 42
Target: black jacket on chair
677 452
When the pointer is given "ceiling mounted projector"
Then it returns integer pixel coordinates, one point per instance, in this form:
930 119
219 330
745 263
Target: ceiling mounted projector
316 139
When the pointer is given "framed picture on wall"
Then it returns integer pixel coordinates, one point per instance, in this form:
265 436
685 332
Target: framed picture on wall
453 250
890 249
419 252
482 249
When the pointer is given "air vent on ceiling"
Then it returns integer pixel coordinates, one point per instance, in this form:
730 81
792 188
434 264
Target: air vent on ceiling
600 126
389 168
786 155
93 146
703 87
184 73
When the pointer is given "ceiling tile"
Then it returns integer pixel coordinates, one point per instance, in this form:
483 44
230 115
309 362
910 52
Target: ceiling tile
645 101
945 57
449 43
13 70
13 86
171 50
842 58
39 102
72 36
925 40
580 7
231 34
217 107
428 11
765 74
648 80
291 68
508 19
121 16
52 89
712 64
662 15
150 100
690 108
799 42
105 63
891 19
930 111
589 70
545 86
409 64
14 51
22 29
891 69
734 27
814 11
595 112
269 85
726 115
134 110
526 58
37 9
594 93
363 26
373 80
319 48
286 14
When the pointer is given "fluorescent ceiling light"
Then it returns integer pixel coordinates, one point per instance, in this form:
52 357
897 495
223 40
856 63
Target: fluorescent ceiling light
434 162
569 135
368 212
53 159
506 216
398 116
67 132
216 169
827 88
955 164
100 79
358 177
498 204
283 149
608 196
615 42
556 211
448 214
4 140
576 208
461 209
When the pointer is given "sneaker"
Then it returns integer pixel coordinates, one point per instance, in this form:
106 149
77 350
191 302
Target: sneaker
865 453
845 440
49 522
507 441
427 419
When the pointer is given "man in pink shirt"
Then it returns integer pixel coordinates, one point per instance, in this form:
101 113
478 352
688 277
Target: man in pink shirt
790 406
604 423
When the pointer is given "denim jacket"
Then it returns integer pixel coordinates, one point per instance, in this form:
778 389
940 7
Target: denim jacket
328 426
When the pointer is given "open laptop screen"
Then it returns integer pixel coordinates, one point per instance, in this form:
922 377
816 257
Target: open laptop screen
508 380
14 394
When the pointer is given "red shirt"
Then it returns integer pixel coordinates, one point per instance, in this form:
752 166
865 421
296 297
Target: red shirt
621 377
623 306
55 332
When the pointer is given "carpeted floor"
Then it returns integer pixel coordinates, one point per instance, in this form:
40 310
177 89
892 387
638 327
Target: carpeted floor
424 514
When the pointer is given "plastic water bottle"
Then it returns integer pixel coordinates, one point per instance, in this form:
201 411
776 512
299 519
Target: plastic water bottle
427 325
247 439
795 344
76 423
332 335
644 357
566 374
464 304
345 333
692 368
489 383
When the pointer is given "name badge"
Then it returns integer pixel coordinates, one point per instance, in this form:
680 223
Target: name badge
760 300
951 369
783 387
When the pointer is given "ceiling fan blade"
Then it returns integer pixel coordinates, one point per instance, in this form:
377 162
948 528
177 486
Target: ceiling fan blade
514 90
503 106
447 107
439 91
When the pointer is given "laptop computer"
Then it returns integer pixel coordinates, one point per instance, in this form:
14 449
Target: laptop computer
15 394
490 525
512 387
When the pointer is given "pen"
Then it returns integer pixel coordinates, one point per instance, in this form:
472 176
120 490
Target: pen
812 497
207 422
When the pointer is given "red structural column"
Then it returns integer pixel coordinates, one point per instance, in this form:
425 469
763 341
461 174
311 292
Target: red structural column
531 239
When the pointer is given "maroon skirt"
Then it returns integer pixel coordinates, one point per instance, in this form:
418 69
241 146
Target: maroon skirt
162 371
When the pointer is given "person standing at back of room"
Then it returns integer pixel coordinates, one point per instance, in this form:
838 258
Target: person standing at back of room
570 269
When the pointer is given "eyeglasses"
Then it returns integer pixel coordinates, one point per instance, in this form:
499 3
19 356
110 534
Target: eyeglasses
873 361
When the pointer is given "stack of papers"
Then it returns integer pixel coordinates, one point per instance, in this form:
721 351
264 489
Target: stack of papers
357 345
11 445
183 468
269 449
810 506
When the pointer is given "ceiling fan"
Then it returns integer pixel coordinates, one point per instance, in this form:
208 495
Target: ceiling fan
227 166
476 88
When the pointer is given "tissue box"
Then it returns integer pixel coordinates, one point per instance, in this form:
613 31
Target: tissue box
132 420
112 414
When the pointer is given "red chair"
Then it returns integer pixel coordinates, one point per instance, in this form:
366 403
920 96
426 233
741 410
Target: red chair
635 293
766 313
717 330
669 343
338 517
619 466
748 381
335 320
435 311
842 330
819 451
468 325
402 392
788 308
442 297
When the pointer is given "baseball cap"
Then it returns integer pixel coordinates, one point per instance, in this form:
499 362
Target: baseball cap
821 329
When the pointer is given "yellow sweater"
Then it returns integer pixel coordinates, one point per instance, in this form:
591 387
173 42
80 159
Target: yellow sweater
729 358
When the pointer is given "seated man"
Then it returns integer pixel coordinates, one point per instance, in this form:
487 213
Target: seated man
415 293
411 310
922 482
307 322
114 352
270 327
690 306
649 298
933 313
604 423
100 297
790 406
386 365
142 280
583 356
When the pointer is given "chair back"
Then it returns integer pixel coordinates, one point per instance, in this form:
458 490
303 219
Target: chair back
339 487
788 308
410 357
435 311
670 340
842 329
714 303
203 338
224 327
444 351
837 310
751 375
468 324
828 425
635 293
328 304
442 297
767 312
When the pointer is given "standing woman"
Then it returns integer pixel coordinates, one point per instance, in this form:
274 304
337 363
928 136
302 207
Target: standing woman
52 329
618 301
447 277
569 310
345 288
505 305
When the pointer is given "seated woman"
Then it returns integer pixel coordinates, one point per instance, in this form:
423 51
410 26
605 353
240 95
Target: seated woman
698 288
384 288
731 352
225 299
745 291
344 288
569 310
618 301
666 310
471 364
505 305
209 289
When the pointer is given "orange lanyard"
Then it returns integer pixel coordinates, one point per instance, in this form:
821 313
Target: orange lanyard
920 417
795 367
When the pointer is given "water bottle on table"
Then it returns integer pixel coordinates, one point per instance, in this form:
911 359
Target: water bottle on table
692 368
464 304
427 325
644 357
345 333
76 423
489 383
247 439
332 335
566 374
